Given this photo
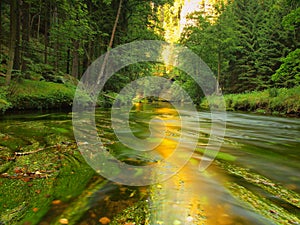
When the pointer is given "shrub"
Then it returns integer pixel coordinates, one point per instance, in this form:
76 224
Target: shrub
4 103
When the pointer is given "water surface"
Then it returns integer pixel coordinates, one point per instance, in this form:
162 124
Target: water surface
254 180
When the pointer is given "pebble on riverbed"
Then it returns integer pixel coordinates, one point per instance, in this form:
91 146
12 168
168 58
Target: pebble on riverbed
104 220
64 221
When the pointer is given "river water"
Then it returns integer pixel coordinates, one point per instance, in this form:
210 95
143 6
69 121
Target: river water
255 179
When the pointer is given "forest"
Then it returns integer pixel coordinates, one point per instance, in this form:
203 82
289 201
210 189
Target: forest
249 45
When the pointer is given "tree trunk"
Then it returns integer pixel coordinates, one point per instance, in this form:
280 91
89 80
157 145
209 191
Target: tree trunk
17 58
25 33
68 61
38 27
13 34
46 20
88 54
75 62
219 74
55 21
1 41
87 60
112 37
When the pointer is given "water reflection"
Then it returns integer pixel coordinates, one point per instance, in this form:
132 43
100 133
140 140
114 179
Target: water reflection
190 196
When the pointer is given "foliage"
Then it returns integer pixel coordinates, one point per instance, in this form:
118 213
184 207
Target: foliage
246 43
40 71
73 27
4 103
64 37
249 45
292 20
213 42
68 35
288 75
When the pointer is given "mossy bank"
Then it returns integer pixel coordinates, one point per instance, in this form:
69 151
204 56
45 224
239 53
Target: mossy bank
273 101
42 95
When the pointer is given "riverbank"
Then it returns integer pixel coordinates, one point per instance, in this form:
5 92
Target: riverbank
272 101
36 95
42 95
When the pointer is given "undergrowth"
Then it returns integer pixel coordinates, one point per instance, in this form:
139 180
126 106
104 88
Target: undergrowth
4 103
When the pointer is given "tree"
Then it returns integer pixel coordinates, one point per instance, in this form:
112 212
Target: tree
17 57
213 39
1 40
288 73
262 42
245 65
13 36
275 41
25 33
70 33
65 36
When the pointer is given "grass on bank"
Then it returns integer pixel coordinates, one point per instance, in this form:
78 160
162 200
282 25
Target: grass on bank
272 101
28 94
40 95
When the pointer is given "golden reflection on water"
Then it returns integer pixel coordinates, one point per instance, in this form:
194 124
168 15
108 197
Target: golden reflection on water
185 198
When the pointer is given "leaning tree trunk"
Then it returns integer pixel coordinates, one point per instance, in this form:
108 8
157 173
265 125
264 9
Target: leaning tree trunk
112 37
13 35
115 26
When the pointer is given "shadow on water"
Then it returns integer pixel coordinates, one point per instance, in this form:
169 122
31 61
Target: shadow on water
254 180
